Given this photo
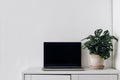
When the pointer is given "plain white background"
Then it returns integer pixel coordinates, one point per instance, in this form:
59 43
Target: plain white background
26 24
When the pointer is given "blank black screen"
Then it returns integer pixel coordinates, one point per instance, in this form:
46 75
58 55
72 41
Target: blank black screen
62 54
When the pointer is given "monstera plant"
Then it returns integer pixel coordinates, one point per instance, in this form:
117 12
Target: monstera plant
99 45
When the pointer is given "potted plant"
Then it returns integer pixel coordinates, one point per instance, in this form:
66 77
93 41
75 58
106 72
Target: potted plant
99 45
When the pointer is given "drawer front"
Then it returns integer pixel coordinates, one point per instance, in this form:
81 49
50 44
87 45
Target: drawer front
50 77
97 77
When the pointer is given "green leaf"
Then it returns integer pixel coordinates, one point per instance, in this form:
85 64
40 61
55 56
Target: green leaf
87 37
98 32
113 37
106 32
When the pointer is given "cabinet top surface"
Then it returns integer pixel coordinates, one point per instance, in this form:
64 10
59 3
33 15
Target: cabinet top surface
32 71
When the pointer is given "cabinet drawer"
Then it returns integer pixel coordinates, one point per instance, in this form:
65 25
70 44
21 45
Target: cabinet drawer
97 77
50 77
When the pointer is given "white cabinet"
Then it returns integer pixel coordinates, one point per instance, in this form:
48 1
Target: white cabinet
38 74
71 77
50 77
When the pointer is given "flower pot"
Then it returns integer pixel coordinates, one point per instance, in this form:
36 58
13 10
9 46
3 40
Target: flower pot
96 62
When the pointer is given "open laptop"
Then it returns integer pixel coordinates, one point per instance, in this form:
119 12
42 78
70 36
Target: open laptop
62 56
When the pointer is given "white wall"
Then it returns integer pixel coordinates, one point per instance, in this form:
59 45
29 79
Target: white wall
26 24
116 30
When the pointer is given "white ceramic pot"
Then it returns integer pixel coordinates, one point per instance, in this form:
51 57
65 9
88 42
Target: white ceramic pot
96 62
